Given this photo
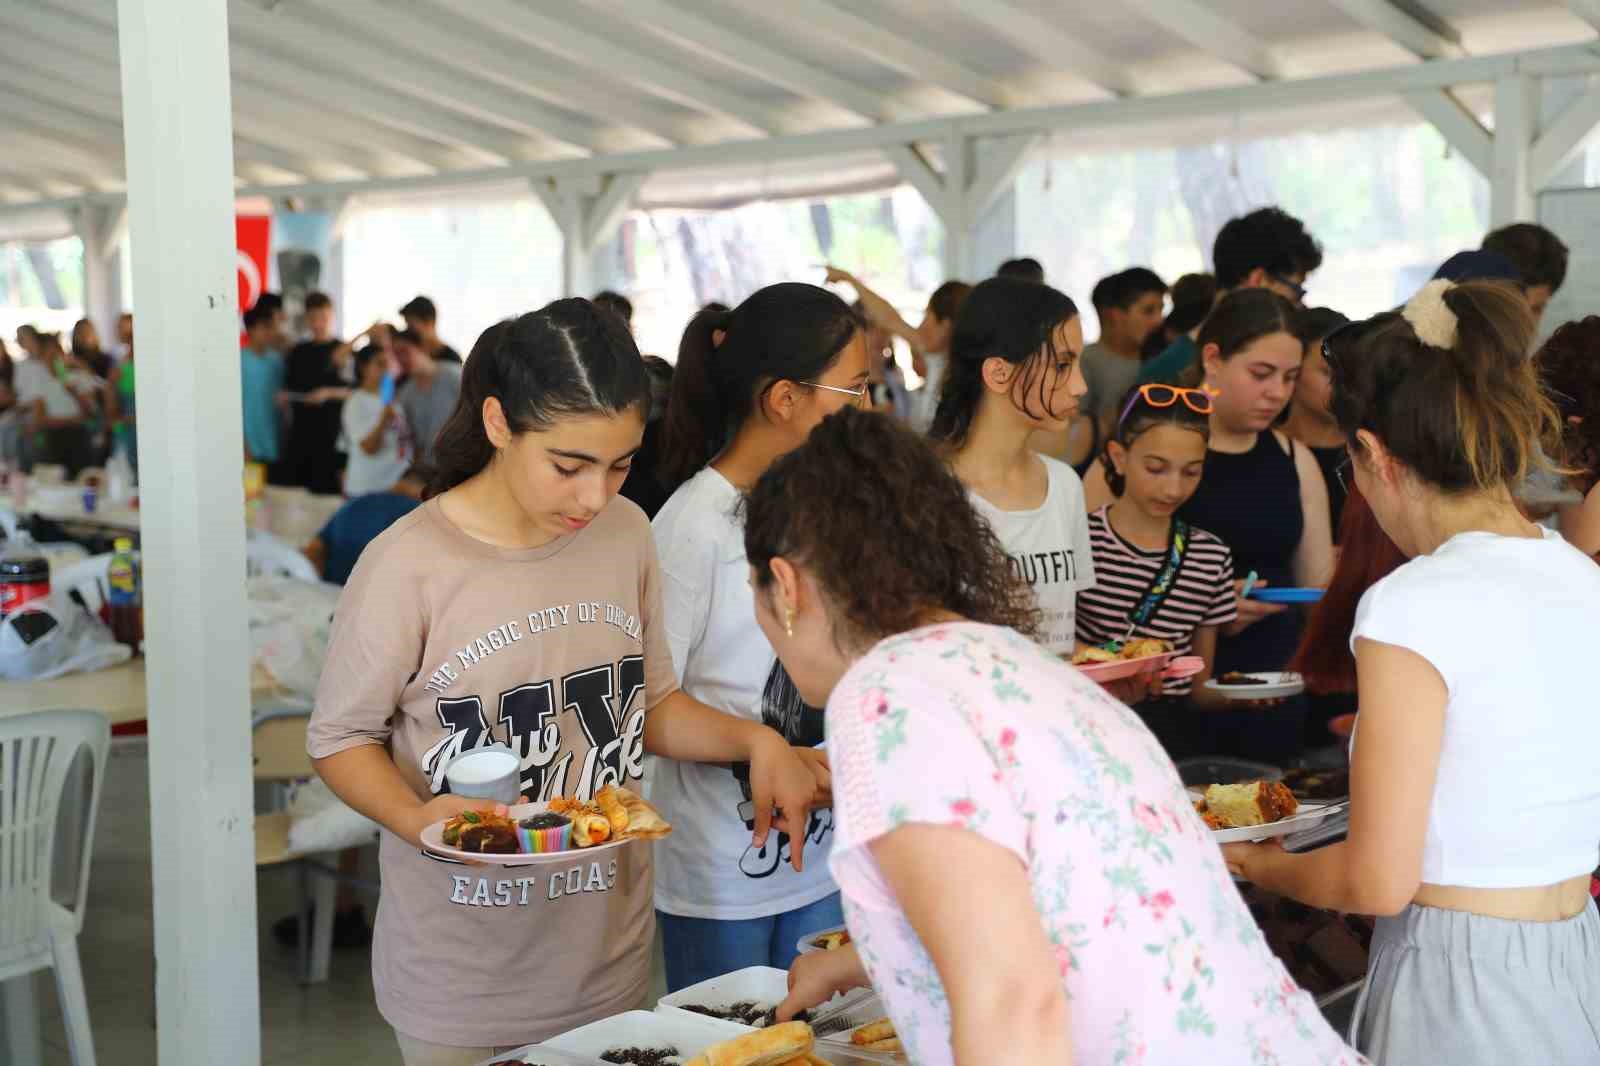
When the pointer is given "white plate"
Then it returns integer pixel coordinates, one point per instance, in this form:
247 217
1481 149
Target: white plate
1278 686
808 943
433 843
1305 818
644 1029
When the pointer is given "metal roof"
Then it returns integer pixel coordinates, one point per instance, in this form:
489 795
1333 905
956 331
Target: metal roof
332 95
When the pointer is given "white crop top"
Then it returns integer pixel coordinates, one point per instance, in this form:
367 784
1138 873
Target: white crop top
1513 626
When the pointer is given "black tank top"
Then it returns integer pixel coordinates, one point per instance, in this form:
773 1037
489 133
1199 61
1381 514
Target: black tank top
1252 501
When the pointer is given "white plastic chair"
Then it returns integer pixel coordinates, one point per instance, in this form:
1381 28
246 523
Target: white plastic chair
36 932
267 556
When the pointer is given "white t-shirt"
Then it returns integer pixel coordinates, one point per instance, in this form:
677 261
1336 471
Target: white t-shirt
1049 548
707 868
33 380
372 473
1510 625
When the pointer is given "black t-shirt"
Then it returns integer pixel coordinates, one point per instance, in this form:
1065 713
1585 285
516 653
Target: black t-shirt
312 452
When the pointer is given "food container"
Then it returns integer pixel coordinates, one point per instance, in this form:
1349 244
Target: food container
833 1025
23 578
762 986
537 1055
644 1029
808 943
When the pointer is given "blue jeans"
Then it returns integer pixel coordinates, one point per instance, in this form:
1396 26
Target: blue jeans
698 949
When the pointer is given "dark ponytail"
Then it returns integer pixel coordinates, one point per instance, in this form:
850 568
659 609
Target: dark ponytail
1001 318
785 332
567 358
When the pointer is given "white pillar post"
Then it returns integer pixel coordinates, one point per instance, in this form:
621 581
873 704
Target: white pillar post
1516 118
960 221
100 228
176 107
587 211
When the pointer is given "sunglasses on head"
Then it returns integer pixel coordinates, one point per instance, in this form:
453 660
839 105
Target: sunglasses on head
1159 396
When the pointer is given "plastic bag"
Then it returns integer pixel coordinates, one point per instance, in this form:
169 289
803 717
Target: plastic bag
53 637
289 627
319 821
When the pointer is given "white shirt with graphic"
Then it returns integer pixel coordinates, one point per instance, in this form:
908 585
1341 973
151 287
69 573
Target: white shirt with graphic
707 868
1049 548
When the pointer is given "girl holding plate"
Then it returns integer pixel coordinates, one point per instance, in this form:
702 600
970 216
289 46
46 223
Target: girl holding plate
520 604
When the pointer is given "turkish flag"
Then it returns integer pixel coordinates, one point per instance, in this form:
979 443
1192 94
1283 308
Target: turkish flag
253 239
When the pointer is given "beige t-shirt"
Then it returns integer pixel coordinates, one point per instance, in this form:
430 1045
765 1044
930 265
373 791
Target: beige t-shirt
442 643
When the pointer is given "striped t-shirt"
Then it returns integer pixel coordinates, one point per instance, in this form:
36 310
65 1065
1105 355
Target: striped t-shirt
1203 594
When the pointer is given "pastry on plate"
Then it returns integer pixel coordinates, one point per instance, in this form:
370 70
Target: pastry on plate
1249 803
775 1045
1093 654
1144 647
485 832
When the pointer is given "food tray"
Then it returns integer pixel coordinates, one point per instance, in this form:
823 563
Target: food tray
808 943
1279 685
433 843
644 1029
1287 595
1308 816
834 1024
763 985
541 1056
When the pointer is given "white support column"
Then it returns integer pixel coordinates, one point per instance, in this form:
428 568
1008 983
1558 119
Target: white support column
1516 116
960 221
960 194
587 210
176 106
102 280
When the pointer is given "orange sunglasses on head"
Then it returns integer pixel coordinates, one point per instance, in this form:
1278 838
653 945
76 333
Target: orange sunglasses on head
1196 400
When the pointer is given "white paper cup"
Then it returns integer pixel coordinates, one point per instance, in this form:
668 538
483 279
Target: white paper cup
492 773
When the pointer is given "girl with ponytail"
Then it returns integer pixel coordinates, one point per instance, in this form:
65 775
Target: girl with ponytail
750 386
1474 818
520 605
1014 369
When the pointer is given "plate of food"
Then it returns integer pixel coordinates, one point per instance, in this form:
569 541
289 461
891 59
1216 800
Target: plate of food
1271 685
859 1031
1287 595
827 940
1256 810
643 1038
747 998
1135 657
532 833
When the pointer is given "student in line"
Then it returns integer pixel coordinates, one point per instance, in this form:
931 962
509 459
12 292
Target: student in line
750 385
1310 421
520 604
1474 817
1024 876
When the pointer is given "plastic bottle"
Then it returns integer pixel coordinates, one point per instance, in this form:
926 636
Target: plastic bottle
123 599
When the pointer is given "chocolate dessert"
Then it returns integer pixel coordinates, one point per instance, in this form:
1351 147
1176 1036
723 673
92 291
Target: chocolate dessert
638 1056
745 1012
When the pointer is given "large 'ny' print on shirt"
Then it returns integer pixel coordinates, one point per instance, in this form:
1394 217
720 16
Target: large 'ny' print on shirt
605 702
799 723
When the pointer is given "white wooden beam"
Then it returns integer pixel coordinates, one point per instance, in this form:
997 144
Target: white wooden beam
892 48
310 37
1587 10
606 212
997 169
1458 126
960 223
1198 23
549 30
452 42
1516 116
89 169
1563 138
114 233
756 58
1049 41
175 91
1431 39
916 171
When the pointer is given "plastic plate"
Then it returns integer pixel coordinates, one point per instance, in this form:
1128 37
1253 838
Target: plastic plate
433 843
1277 686
1272 595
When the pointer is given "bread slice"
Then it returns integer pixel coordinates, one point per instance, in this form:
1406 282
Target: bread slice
775 1045
1250 803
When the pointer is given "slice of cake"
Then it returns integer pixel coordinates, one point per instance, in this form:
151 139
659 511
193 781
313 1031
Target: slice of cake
1250 803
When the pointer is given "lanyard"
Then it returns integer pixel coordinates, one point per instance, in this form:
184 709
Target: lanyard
1166 577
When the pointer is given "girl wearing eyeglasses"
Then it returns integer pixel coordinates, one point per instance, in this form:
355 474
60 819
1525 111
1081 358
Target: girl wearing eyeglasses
750 385
1263 495
1014 370
1156 575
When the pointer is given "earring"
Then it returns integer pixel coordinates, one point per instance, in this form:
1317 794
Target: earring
788 621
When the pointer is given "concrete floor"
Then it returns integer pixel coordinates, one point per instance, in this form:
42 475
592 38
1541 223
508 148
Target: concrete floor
335 1024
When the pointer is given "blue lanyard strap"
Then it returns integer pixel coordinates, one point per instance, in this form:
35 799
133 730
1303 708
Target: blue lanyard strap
1166 577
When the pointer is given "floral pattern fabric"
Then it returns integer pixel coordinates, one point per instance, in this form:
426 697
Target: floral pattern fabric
976 726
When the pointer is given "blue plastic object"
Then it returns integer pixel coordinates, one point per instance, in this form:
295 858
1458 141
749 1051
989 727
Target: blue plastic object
1272 595
386 390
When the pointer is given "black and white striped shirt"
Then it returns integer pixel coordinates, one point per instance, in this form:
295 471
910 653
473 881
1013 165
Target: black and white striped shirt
1202 595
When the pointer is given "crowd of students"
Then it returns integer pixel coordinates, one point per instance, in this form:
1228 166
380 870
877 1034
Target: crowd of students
905 576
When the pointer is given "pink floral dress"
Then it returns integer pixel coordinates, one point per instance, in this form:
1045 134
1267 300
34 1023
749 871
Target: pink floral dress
975 726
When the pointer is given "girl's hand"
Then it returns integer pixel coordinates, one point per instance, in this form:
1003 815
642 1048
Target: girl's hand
1249 861
1250 611
817 761
818 976
781 779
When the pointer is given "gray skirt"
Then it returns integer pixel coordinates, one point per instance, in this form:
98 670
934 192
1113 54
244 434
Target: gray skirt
1451 987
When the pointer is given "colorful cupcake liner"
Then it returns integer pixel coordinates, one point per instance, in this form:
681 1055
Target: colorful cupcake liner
540 841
